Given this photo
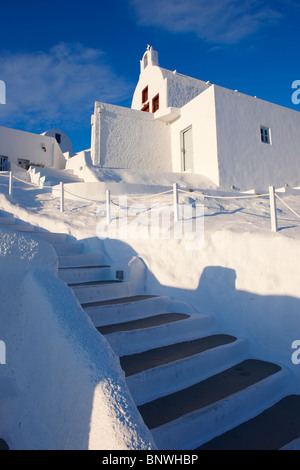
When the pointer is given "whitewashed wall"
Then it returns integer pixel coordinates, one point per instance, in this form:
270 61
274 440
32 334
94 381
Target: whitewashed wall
182 89
246 162
126 138
200 114
16 144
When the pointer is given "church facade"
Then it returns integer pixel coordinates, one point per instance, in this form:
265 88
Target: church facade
181 124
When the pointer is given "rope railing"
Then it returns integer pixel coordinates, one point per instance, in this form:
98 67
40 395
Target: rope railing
223 197
152 195
286 205
175 191
23 181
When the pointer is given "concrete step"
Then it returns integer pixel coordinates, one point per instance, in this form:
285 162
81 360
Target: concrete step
142 323
50 236
7 221
54 182
171 376
190 417
81 260
5 214
85 274
126 343
68 248
51 177
19 227
53 172
124 309
273 429
100 290
50 171
146 360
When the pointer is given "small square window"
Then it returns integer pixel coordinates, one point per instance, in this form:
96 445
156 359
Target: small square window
265 134
155 104
145 95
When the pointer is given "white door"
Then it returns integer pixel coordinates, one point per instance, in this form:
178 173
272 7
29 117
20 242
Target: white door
187 150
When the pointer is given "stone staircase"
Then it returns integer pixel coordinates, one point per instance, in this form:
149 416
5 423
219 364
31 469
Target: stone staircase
190 383
51 177
195 387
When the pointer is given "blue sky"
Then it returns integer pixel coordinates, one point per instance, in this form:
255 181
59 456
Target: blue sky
58 57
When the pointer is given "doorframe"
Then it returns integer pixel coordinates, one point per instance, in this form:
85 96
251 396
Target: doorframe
6 162
191 170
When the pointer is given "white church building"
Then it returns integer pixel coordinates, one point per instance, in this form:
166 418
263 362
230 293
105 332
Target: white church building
178 124
181 124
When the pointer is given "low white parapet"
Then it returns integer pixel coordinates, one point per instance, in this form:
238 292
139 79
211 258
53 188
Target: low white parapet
92 191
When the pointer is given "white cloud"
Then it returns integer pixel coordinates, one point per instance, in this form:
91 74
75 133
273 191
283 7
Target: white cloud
214 21
58 87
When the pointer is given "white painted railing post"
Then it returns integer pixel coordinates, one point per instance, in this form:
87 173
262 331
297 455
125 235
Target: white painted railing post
108 212
10 191
175 202
274 226
62 197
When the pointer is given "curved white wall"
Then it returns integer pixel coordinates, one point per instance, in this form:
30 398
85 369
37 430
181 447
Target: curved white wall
65 143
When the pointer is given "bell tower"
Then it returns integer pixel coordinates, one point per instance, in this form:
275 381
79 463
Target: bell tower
149 59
